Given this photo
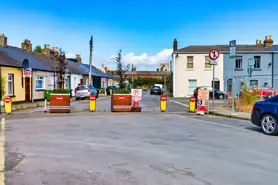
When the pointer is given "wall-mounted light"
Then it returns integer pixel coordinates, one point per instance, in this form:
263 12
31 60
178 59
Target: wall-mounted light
269 64
177 55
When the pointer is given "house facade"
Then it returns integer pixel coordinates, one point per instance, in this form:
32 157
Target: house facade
260 58
191 68
30 89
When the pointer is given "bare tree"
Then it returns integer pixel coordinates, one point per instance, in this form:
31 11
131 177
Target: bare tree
121 67
61 68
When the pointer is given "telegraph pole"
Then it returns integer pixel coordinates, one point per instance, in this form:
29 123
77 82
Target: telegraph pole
91 51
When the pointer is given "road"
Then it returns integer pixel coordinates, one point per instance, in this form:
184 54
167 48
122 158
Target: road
150 148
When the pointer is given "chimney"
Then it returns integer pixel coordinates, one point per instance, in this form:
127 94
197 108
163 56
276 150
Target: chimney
175 47
26 45
55 52
46 50
3 41
268 42
78 58
259 43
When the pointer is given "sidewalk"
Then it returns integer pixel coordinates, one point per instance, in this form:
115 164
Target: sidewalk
222 110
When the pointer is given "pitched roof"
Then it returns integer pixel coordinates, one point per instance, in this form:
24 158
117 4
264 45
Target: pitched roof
95 71
19 55
226 49
5 60
149 73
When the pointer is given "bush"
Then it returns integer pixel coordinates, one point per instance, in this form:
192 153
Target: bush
65 91
249 98
124 91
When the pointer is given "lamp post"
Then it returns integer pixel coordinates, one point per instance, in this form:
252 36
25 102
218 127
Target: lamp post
165 81
91 51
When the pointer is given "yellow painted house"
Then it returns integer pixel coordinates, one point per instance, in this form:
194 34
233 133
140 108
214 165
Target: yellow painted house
11 75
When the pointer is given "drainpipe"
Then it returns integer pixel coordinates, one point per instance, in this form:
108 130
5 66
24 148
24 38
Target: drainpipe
32 86
1 90
272 66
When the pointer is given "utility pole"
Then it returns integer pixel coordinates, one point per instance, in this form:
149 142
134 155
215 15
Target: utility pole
91 51
165 81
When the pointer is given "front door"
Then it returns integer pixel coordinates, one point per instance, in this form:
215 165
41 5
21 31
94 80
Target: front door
27 89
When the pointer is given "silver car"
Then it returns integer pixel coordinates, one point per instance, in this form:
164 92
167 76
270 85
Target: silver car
85 91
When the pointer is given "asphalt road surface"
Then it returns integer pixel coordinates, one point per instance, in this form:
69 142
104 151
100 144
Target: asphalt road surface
147 148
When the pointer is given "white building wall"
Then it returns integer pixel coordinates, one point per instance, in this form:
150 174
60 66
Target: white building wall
263 75
204 76
75 80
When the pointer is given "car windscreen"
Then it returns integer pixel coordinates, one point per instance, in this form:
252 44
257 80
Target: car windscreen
156 88
81 88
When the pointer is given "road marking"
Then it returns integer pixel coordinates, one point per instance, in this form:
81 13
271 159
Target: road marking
2 152
179 103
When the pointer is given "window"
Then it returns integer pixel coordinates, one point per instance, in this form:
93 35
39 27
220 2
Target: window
190 64
192 85
238 62
207 64
253 83
10 84
257 62
40 82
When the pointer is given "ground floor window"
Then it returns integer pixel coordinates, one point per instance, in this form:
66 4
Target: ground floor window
40 82
192 85
10 84
253 83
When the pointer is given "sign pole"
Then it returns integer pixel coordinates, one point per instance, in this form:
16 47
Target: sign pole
213 55
233 57
213 84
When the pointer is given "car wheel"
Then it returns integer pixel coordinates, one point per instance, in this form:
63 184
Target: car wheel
221 97
76 99
269 125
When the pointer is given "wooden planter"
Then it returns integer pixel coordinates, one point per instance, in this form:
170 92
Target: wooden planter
121 103
59 103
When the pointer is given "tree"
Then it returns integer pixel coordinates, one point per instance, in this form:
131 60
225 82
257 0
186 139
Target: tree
121 67
38 49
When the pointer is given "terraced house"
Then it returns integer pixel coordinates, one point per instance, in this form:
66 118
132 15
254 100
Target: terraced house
29 89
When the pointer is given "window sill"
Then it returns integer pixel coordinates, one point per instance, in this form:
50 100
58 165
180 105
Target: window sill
207 69
256 69
11 96
40 89
190 69
239 69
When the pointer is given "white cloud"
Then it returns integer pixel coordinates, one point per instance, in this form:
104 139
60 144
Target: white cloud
145 59
70 55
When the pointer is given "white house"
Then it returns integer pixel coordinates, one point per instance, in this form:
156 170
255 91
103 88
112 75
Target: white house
191 68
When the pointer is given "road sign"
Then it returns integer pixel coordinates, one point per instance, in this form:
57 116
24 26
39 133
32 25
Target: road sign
232 49
136 94
213 62
7 100
214 54
27 72
60 98
121 97
203 95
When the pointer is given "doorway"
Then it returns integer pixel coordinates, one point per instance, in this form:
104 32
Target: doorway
27 89
216 84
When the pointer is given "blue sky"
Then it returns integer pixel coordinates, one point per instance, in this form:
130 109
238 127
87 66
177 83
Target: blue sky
144 29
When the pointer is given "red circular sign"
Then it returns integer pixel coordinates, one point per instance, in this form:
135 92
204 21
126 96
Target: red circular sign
92 98
164 98
122 97
7 100
60 98
214 54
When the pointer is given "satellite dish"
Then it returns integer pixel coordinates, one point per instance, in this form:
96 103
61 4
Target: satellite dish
25 63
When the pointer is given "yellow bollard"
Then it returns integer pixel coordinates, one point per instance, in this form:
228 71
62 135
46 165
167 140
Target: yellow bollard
163 103
111 92
93 104
8 105
192 104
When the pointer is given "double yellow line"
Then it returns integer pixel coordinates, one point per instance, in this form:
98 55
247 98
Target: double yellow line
2 152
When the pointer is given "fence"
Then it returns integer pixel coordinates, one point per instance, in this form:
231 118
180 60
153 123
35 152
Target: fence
267 82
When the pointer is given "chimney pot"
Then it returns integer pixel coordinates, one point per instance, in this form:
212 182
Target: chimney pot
3 41
270 37
175 46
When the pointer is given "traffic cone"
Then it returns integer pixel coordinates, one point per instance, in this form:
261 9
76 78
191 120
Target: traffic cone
136 104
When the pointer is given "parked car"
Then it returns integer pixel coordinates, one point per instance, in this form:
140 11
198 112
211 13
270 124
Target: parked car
266 92
85 91
156 90
217 94
264 115
111 88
